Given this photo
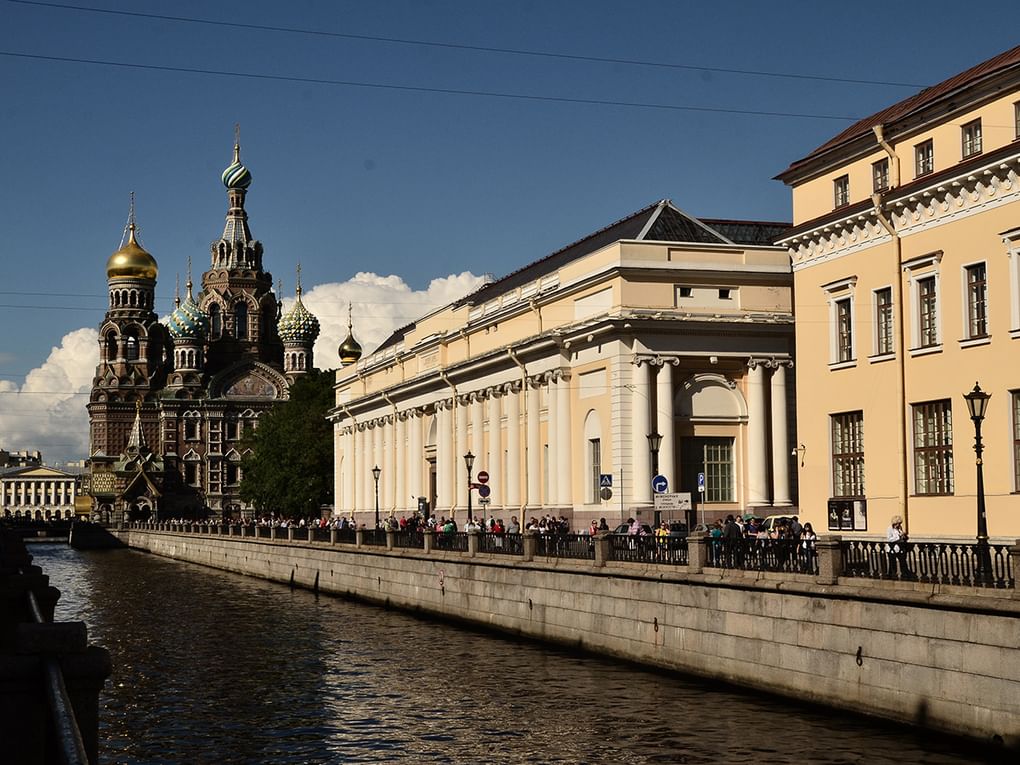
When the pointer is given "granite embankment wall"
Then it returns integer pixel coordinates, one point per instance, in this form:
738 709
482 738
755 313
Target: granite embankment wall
947 658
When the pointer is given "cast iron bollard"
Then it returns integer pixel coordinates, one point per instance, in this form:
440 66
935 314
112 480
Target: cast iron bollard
830 558
430 541
603 549
530 544
697 553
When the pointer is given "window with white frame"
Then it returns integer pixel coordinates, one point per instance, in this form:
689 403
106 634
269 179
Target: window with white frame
1016 120
924 313
970 137
840 296
883 321
841 191
977 300
927 312
1012 241
844 330
848 454
880 175
924 158
718 469
933 447
1015 396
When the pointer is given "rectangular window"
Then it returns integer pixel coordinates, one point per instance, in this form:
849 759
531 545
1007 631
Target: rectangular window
233 474
595 469
970 136
190 430
848 454
977 301
880 175
719 470
1016 440
924 158
844 331
191 473
933 447
841 191
927 313
883 321
1016 120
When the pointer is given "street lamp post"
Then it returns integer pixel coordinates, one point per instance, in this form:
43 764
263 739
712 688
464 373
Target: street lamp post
654 442
469 462
977 403
375 474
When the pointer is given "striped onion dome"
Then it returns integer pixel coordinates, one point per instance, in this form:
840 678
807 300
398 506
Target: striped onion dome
188 321
298 325
236 176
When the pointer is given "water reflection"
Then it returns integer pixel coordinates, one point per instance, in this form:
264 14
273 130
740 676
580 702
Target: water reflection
211 667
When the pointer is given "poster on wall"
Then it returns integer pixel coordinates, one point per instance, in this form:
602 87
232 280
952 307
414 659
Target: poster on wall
848 515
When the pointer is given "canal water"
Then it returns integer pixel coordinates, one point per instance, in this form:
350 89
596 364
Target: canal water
211 667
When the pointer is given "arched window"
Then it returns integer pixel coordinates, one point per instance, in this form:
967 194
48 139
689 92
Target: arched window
215 322
111 345
241 321
131 346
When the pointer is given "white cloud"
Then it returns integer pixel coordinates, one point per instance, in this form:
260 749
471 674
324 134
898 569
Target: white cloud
381 305
48 412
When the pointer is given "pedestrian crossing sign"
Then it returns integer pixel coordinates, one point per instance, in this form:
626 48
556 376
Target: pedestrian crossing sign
605 481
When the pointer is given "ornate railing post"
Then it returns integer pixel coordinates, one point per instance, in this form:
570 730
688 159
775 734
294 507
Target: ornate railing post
473 542
430 540
697 553
829 550
1014 564
530 545
603 549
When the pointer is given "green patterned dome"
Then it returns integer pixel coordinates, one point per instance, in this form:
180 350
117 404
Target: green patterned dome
298 325
236 176
188 321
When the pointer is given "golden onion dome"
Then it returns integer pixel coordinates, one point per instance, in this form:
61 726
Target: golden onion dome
349 351
131 261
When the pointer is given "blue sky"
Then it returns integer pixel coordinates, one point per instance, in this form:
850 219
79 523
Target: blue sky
391 190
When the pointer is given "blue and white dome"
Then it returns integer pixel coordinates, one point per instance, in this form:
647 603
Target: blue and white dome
298 325
188 321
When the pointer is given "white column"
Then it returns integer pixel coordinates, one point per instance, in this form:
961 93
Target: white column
461 413
415 456
389 475
534 437
513 448
664 423
640 489
444 459
552 439
378 460
478 427
780 442
363 465
757 452
347 490
494 459
400 445
565 438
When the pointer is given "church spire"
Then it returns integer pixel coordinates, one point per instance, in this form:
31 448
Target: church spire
136 441
237 248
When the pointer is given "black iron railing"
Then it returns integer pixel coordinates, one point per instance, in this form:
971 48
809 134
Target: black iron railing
501 544
580 546
319 535
929 562
409 539
374 537
455 541
782 555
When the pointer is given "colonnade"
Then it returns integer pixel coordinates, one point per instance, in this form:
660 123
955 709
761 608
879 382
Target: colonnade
23 493
499 424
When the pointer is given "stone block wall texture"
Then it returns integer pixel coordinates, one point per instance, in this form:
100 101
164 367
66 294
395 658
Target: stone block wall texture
950 661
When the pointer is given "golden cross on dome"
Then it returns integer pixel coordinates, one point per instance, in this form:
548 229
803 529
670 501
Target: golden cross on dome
298 288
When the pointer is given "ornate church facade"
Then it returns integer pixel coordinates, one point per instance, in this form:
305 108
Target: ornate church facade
172 397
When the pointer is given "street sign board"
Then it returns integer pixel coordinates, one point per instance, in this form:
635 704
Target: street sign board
701 482
484 501
675 501
605 480
483 477
606 493
484 491
660 484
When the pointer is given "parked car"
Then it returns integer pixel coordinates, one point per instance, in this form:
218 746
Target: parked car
624 528
773 520
678 529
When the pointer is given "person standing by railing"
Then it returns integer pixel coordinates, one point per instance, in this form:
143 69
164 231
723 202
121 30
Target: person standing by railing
896 548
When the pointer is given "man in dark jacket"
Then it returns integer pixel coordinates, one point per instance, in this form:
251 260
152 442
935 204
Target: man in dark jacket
733 543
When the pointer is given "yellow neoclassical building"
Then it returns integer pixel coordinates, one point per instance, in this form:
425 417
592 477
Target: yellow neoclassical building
555 376
906 258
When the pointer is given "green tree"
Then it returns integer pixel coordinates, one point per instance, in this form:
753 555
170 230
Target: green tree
289 469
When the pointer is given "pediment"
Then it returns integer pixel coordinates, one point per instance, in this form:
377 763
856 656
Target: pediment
250 381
